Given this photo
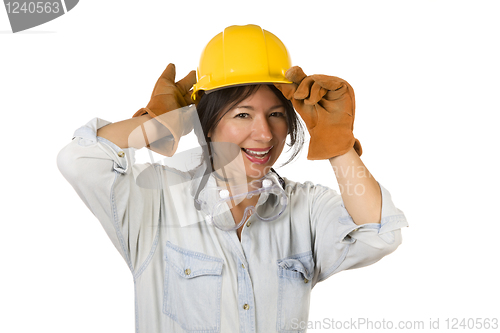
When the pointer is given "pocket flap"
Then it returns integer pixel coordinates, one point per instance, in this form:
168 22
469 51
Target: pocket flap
190 264
298 266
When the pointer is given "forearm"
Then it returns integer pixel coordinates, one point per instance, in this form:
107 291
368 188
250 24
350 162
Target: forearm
360 191
137 132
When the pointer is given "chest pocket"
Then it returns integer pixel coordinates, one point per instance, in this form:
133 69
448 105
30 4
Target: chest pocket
294 290
192 289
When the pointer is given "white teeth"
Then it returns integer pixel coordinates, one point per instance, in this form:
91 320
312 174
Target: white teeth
260 153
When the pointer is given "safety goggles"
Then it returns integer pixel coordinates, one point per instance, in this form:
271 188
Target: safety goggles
217 201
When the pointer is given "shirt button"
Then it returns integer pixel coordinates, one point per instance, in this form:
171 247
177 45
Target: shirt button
306 280
242 266
248 224
246 306
121 154
187 271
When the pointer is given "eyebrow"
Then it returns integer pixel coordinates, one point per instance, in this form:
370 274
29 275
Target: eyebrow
252 108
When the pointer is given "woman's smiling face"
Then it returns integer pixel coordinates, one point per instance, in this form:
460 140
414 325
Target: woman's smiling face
258 126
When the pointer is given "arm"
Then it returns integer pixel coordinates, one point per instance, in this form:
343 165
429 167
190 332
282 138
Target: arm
360 191
104 177
365 225
327 106
339 243
131 133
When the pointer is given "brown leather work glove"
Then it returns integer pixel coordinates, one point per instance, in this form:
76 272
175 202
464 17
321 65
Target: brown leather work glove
326 104
168 96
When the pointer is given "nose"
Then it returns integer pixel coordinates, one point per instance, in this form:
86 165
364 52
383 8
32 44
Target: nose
261 130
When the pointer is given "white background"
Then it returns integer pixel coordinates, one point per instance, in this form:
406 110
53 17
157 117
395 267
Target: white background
426 77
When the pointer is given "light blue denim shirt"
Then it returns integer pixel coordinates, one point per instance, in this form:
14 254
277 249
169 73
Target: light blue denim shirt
192 277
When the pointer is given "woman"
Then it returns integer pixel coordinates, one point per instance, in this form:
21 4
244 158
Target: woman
231 245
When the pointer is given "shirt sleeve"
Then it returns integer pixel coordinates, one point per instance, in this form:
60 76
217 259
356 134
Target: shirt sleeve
106 179
340 244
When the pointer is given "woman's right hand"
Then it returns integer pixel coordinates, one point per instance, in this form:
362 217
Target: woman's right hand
168 106
169 95
161 124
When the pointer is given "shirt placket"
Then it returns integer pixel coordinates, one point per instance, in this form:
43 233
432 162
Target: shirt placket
246 302
246 299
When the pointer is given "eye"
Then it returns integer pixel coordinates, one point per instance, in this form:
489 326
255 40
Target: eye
242 115
277 114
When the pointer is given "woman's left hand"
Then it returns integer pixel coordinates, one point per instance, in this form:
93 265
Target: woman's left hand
326 104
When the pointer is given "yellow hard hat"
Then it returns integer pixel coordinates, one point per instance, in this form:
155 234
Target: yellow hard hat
242 55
